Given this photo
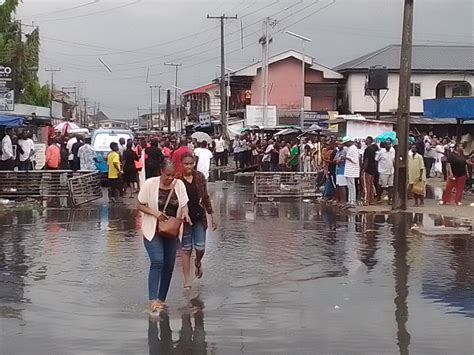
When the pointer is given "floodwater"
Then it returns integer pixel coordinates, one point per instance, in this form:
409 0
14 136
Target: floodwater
278 278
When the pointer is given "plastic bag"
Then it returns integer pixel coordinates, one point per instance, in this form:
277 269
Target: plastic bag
419 188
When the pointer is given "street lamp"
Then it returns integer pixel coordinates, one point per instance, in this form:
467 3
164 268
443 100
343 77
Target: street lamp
303 40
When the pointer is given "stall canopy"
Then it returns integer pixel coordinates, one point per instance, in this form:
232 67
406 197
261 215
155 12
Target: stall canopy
11 121
461 108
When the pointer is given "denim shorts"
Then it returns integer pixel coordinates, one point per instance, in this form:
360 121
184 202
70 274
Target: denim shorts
194 236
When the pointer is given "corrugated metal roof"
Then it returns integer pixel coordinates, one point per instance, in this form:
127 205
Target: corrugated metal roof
434 58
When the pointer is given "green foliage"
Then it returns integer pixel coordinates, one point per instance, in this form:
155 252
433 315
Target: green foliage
35 94
23 55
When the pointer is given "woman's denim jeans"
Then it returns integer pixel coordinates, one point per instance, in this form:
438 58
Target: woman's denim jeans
162 253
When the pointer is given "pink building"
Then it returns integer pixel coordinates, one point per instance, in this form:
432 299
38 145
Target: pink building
284 84
284 87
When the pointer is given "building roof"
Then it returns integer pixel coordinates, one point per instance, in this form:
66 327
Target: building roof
425 58
200 90
252 69
101 116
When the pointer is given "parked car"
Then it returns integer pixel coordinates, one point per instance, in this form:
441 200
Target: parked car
101 139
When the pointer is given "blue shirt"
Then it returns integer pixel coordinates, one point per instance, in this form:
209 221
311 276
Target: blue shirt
341 165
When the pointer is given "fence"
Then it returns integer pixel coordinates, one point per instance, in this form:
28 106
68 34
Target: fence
78 187
285 184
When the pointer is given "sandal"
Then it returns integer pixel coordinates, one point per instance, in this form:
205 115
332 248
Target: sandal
198 271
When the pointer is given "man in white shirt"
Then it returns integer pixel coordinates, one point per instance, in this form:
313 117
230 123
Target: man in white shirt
7 161
204 156
351 169
28 147
267 156
73 140
219 150
122 146
386 167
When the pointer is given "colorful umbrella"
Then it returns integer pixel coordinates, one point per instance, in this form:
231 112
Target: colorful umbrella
387 135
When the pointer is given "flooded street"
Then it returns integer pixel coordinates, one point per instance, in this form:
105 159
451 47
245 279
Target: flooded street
278 277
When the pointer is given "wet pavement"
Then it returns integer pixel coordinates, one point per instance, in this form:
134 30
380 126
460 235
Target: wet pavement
278 278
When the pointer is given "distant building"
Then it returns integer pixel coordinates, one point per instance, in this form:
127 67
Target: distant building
101 120
284 89
437 72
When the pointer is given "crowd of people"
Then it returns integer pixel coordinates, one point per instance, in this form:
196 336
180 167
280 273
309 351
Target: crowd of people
356 172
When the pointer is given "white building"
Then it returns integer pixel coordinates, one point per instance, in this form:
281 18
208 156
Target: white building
437 72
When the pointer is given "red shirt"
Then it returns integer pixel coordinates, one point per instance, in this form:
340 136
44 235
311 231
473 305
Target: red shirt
176 158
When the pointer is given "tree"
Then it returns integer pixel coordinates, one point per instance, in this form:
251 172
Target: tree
23 55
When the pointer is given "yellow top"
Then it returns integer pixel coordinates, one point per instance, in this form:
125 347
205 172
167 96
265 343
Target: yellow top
415 165
112 158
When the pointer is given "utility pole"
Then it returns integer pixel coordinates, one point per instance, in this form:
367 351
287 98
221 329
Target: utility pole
265 41
150 121
223 88
85 118
79 98
168 109
403 114
159 107
176 65
52 71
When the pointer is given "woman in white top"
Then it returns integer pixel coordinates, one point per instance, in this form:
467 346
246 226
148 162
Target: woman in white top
161 250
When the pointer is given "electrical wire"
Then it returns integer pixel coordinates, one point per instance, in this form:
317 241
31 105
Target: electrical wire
137 50
92 13
45 14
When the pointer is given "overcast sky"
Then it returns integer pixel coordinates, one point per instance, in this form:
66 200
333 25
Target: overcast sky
135 38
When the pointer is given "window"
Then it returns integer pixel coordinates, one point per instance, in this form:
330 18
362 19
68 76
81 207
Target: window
415 89
462 89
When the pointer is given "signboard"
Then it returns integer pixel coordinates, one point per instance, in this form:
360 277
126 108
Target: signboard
57 111
332 116
254 116
40 155
205 119
7 88
315 117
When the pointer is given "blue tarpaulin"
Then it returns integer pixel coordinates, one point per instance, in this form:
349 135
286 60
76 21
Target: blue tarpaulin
11 121
461 108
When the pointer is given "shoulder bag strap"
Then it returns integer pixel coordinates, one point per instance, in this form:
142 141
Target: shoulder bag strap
169 196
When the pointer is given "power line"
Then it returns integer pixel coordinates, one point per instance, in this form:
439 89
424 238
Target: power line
136 50
44 14
233 51
92 13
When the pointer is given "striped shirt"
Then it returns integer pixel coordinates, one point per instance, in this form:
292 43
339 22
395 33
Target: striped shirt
352 168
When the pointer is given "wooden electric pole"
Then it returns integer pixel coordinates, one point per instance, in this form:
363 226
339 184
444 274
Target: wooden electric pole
403 113
176 109
52 71
223 88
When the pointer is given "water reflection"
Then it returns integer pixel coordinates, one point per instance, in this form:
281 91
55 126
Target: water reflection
450 279
274 274
401 272
192 335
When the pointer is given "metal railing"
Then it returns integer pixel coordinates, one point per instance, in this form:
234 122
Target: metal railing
77 186
285 184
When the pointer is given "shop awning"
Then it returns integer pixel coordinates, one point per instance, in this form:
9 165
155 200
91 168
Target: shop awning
11 121
200 90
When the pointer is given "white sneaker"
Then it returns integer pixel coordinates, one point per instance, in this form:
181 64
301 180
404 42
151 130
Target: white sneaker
441 202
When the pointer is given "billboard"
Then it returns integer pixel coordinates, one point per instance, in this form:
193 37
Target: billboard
7 88
254 116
